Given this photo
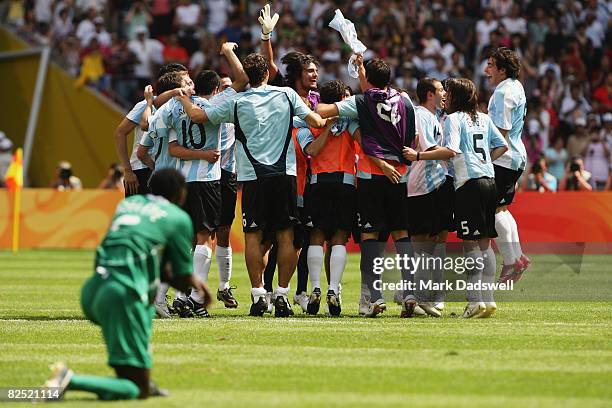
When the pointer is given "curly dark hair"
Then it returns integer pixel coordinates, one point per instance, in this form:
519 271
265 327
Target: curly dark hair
206 82
169 81
507 60
256 68
296 62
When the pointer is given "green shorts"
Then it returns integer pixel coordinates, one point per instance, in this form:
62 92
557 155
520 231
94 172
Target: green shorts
126 321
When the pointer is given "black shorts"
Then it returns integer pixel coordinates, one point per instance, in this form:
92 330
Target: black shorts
143 176
332 207
381 205
422 214
475 204
229 187
505 180
203 204
445 205
269 204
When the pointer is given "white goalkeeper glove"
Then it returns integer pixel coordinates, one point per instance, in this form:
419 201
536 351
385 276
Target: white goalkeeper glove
267 22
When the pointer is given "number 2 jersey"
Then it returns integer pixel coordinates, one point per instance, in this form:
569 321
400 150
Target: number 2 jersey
472 141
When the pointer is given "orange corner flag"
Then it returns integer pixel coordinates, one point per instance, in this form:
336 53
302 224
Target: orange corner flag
14 174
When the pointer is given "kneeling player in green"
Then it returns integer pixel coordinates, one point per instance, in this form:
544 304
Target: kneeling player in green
149 236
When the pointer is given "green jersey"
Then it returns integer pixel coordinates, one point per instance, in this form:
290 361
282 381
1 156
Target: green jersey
146 232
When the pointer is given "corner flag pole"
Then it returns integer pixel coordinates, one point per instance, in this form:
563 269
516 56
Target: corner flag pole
14 181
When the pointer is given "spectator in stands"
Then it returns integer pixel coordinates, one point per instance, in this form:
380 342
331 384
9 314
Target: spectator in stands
64 179
576 178
173 52
218 12
92 68
539 178
574 105
578 142
602 95
137 17
86 28
161 12
188 17
149 54
104 38
597 160
484 28
113 179
6 154
62 26
557 157
606 132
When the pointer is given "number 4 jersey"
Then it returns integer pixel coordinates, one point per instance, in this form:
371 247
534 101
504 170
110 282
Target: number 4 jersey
472 141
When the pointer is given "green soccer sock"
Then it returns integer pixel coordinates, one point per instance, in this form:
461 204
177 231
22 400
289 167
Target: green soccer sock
106 388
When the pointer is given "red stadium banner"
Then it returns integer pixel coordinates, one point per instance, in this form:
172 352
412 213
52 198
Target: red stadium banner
52 219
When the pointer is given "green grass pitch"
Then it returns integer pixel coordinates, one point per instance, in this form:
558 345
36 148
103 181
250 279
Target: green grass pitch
556 353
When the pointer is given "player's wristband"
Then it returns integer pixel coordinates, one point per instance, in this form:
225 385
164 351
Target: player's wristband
418 154
265 37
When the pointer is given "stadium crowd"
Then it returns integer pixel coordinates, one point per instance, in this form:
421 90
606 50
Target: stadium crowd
117 47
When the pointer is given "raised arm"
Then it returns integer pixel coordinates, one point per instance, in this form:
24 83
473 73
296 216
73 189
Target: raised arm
327 110
240 77
144 119
267 23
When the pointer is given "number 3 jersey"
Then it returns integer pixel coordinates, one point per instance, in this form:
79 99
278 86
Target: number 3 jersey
472 141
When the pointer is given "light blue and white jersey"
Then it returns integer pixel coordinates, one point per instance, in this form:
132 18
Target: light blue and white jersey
425 176
264 122
134 116
507 109
158 135
198 136
228 147
472 141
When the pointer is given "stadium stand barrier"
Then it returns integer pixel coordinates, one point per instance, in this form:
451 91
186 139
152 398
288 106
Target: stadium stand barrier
73 124
53 219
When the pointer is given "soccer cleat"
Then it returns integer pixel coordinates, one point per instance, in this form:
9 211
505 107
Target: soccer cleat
177 306
506 273
260 307
162 311
490 308
333 303
197 309
473 309
59 378
430 309
282 307
302 300
408 306
375 308
439 306
227 297
314 302
523 263
155 391
269 302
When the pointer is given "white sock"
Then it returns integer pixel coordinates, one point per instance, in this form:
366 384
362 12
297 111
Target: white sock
516 242
280 291
202 257
337 263
161 294
504 238
181 296
258 293
224 262
314 258
488 273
